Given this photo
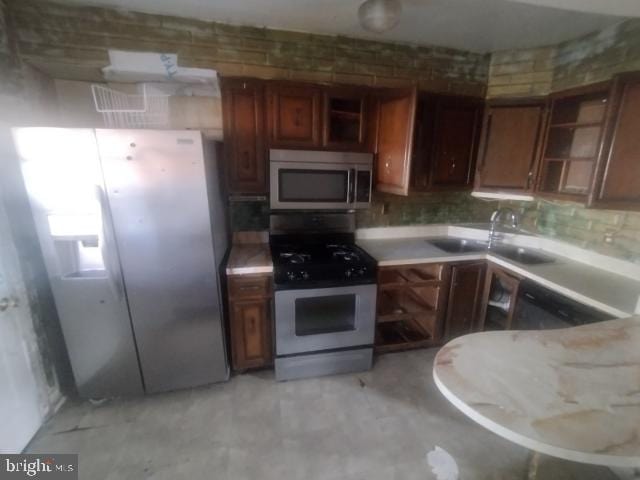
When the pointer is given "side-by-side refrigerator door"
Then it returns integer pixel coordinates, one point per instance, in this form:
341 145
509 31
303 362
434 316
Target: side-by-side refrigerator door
61 170
157 192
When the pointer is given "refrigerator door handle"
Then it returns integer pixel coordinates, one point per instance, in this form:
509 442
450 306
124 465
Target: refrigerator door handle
107 247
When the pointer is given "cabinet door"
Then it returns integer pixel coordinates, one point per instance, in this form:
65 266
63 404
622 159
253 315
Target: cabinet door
455 143
499 299
294 116
573 143
465 298
511 136
620 171
251 333
344 118
244 135
396 116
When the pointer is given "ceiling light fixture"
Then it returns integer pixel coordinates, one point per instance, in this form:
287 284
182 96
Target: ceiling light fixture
379 15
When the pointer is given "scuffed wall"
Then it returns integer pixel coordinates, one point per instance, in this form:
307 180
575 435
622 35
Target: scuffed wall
25 98
71 42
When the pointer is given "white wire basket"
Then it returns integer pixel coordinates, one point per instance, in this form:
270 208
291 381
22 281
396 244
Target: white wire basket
124 110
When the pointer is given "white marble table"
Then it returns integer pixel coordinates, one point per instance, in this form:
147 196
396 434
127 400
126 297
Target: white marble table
572 393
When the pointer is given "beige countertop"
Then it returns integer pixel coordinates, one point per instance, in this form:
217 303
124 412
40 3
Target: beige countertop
609 292
571 393
250 254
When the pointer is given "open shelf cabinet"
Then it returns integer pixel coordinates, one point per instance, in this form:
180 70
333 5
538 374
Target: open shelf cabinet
573 142
411 303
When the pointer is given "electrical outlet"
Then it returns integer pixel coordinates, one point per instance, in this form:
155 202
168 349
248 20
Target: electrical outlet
609 236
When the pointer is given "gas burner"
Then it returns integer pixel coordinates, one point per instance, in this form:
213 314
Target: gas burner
344 253
295 257
346 256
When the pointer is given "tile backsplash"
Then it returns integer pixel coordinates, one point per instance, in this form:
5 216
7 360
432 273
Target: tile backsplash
608 232
614 233
425 208
417 209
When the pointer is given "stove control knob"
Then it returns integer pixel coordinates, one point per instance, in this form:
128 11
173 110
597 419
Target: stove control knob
291 275
362 271
305 275
348 272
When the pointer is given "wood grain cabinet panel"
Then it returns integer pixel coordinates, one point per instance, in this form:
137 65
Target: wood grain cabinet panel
244 135
396 112
511 137
411 306
344 118
619 173
295 115
572 152
465 299
455 141
445 142
251 334
251 329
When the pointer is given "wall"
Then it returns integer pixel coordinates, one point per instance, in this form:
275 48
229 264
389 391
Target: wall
592 58
72 42
25 98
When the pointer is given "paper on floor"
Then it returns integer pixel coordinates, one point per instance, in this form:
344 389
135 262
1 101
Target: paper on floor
442 464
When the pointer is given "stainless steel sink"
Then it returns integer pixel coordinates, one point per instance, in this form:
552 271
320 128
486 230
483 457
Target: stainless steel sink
521 255
458 245
510 252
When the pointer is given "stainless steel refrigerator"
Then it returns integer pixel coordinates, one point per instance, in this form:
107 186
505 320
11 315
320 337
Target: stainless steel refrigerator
132 229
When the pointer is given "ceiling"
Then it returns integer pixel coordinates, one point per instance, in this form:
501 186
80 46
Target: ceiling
475 25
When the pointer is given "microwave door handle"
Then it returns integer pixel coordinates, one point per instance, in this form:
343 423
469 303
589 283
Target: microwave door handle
352 185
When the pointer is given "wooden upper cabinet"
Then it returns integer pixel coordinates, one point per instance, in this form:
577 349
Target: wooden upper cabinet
445 142
618 179
344 125
294 115
511 136
396 117
243 110
573 142
457 123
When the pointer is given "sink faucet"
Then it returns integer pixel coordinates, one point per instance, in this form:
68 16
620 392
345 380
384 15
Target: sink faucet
496 218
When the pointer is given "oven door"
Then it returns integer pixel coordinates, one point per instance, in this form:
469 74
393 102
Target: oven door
311 186
325 318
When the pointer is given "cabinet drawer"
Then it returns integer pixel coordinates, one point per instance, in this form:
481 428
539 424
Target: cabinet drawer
249 286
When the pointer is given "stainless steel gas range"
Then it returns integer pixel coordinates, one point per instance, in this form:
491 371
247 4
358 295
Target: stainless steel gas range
325 295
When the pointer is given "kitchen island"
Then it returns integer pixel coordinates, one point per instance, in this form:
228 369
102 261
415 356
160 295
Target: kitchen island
572 393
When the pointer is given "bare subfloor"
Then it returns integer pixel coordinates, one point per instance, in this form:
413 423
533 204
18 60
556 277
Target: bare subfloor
374 425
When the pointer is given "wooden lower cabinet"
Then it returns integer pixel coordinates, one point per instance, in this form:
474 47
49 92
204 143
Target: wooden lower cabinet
498 299
465 299
250 321
411 306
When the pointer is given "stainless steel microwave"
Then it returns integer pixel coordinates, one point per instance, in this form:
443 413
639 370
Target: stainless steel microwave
319 180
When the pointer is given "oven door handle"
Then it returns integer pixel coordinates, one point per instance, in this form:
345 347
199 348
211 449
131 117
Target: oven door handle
351 180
